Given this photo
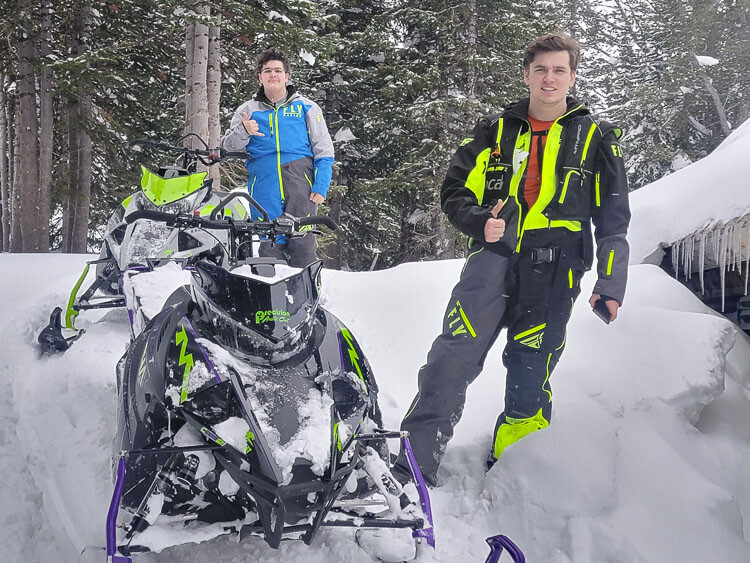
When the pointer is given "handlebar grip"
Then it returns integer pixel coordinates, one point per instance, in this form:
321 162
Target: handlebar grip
167 218
234 154
318 220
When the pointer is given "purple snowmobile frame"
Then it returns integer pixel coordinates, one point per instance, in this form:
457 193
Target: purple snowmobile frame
497 543
427 533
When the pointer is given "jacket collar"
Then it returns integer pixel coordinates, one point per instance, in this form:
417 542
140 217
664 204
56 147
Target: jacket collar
520 109
260 96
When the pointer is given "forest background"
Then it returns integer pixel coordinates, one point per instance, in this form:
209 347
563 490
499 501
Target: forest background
401 82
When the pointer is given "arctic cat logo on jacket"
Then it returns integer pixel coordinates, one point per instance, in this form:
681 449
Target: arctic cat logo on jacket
272 316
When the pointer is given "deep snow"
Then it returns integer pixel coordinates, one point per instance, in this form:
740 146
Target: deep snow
646 459
633 468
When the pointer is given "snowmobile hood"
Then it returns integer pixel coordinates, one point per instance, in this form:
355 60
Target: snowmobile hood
163 191
269 318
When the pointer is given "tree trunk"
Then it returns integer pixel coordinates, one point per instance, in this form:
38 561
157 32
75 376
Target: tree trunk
4 179
715 98
46 131
27 127
15 214
73 159
76 215
189 50
213 87
471 38
197 61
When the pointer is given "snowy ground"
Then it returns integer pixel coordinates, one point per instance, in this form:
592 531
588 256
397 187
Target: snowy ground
646 459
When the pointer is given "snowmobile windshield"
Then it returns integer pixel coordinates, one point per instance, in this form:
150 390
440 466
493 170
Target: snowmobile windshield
270 318
174 195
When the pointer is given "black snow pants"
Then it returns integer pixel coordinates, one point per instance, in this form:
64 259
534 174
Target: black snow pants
298 251
532 294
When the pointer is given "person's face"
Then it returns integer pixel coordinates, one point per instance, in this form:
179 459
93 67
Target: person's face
274 78
549 78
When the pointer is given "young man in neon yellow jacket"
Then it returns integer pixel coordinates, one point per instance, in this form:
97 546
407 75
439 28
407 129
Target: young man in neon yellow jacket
525 187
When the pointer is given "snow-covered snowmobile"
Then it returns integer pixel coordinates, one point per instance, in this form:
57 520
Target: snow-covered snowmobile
245 407
140 245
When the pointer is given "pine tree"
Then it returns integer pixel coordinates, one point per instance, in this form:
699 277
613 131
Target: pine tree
451 63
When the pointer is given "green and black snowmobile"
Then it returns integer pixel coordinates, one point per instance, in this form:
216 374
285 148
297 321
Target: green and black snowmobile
245 407
141 245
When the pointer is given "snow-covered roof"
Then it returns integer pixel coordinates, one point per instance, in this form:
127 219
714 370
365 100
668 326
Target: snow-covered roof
704 197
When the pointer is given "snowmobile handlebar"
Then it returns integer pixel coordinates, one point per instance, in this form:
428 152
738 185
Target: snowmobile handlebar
204 155
239 195
300 222
284 225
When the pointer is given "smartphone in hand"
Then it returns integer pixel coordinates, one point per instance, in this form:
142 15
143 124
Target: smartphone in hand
601 311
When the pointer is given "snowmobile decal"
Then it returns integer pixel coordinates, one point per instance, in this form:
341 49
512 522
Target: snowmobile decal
142 368
353 355
181 339
272 316
250 438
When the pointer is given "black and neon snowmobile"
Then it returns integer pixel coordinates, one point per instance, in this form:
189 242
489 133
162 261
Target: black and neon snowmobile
245 407
142 245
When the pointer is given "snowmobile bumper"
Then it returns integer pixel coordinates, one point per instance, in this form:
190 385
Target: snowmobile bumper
500 542
114 506
428 532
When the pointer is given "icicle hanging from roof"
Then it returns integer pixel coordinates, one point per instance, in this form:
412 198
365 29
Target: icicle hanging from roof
725 246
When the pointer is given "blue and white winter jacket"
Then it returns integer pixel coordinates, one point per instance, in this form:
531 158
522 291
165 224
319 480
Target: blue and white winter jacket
292 158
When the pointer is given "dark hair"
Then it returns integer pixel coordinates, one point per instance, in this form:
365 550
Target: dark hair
272 55
553 42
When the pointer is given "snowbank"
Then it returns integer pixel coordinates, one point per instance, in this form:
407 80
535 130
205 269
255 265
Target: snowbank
647 451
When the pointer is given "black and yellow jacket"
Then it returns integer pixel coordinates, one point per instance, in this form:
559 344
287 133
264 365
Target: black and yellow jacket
583 180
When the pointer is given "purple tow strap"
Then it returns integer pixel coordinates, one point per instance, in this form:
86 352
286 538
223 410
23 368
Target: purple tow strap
428 532
497 543
114 507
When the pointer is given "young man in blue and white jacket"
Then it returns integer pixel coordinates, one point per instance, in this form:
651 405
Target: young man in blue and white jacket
291 153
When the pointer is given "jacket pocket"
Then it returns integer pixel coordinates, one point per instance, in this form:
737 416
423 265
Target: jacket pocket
572 198
497 181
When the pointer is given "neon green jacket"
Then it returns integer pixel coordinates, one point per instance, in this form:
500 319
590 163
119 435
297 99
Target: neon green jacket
583 181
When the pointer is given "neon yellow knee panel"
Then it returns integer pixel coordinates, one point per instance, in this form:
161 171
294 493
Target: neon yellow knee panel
513 429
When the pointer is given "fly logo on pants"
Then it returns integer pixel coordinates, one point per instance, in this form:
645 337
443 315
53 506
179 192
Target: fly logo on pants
532 337
458 323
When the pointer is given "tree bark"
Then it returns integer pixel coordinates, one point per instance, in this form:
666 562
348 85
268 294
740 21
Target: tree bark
46 130
27 127
189 50
197 118
15 214
76 215
73 165
4 179
715 98
213 87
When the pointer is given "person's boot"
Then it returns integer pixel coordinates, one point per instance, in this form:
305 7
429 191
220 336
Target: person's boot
511 430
